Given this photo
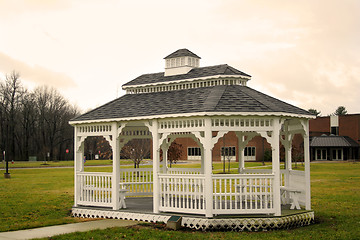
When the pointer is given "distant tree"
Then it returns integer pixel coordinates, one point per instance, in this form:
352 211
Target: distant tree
341 110
54 113
314 112
103 148
174 152
34 123
136 150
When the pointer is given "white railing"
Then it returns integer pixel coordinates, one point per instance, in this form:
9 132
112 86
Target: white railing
182 193
184 171
138 181
243 193
297 181
267 171
95 189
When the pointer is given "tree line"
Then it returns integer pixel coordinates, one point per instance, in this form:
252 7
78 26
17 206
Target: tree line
34 123
341 110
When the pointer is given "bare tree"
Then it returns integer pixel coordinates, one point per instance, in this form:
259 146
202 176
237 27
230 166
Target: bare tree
136 150
52 108
33 122
11 91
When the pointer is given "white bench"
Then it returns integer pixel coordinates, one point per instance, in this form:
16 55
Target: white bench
294 194
124 188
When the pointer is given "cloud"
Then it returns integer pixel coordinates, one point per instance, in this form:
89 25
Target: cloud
14 8
36 74
303 52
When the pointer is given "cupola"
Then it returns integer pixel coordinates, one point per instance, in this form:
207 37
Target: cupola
181 62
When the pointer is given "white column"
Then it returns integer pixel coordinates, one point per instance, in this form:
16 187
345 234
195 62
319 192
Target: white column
202 159
156 186
307 167
276 166
208 169
241 152
165 158
78 165
288 158
115 144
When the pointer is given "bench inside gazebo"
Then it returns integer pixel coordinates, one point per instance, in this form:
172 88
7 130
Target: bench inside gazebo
204 104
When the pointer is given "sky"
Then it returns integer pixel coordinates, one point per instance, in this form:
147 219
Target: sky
306 53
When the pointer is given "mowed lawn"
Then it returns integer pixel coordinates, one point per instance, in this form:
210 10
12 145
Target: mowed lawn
42 197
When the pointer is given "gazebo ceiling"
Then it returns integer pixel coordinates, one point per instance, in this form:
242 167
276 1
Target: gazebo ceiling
217 99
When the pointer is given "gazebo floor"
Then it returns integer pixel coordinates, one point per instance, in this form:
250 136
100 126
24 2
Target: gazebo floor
141 209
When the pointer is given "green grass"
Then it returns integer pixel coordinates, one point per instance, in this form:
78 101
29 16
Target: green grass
42 197
36 197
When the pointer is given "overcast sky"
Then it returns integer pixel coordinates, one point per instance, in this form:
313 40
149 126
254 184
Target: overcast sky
306 52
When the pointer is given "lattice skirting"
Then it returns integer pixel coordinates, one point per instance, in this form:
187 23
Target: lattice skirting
205 224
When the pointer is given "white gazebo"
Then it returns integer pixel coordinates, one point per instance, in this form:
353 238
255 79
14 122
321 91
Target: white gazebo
202 103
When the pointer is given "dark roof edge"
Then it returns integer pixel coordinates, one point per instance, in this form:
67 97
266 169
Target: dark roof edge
194 114
182 53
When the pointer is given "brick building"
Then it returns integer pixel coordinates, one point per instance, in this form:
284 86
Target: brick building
335 137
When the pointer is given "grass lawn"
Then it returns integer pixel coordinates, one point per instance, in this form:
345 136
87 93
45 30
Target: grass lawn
70 163
42 197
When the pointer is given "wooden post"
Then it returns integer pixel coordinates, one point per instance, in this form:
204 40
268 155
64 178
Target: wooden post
78 164
276 166
208 168
241 148
115 144
307 166
165 158
156 186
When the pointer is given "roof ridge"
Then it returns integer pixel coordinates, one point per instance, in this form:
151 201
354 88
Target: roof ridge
212 100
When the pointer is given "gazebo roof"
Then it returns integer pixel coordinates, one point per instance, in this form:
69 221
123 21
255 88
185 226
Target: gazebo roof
216 100
200 72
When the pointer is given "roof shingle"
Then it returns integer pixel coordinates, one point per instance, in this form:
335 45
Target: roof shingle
182 53
230 98
223 69
333 141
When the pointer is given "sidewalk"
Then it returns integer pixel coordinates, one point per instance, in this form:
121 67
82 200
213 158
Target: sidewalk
66 228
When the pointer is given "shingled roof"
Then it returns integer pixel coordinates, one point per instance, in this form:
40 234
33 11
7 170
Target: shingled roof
227 98
333 141
182 53
217 70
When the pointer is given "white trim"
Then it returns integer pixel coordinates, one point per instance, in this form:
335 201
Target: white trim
185 80
197 114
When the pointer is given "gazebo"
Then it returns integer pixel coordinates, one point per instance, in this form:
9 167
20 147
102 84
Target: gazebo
202 103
